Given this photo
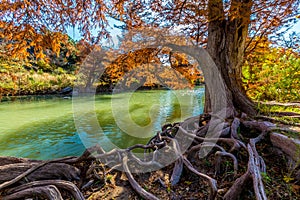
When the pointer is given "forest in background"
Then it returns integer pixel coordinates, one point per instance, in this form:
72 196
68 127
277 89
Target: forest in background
269 73
28 73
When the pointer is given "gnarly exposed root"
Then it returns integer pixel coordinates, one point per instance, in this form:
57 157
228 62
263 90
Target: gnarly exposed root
223 153
66 185
48 192
212 182
135 184
255 167
23 178
267 118
273 103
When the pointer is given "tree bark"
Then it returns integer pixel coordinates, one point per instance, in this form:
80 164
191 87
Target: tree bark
207 103
226 42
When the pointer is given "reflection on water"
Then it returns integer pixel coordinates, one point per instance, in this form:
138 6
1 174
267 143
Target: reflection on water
45 128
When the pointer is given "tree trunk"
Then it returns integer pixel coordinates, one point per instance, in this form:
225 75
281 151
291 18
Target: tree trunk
207 103
226 42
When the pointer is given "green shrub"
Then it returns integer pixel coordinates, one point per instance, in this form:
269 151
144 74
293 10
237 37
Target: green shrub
274 75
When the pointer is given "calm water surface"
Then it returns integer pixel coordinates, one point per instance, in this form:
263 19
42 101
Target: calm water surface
44 128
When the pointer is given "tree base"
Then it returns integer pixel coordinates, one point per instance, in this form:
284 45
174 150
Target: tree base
239 166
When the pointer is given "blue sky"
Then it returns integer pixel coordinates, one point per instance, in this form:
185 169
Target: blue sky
75 34
296 27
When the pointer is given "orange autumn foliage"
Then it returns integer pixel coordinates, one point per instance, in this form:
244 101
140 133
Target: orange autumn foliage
42 22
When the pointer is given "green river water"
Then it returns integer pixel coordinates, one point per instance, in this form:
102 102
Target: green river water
44 128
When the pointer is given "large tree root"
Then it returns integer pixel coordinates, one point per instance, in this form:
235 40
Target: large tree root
274 103
21 178
48 192
272 119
